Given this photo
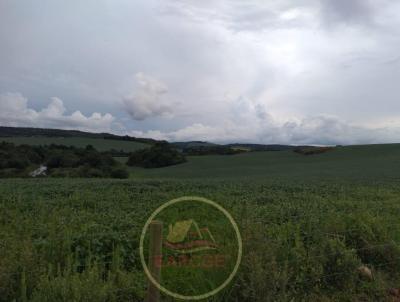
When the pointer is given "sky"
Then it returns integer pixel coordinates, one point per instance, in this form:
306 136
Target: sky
257 71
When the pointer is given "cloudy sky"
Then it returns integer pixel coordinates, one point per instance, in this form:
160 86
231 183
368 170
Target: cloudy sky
261 71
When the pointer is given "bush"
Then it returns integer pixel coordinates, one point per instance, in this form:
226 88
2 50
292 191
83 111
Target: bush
119 173
18 162
92 158
54 161
96 159
87 171
69 160
160 155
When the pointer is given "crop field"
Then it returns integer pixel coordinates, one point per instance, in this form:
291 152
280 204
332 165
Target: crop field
80 142
308 224
77 239
352 163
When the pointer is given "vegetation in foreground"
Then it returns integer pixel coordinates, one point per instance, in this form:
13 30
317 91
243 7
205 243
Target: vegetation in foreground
77 239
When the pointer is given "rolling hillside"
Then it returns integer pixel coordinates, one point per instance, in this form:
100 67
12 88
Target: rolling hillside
106 141
308 222
98 143
101 141
363 162
369 162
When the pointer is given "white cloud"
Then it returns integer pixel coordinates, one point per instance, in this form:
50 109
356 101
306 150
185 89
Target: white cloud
264 128
308 70
147 99
14 111
246 121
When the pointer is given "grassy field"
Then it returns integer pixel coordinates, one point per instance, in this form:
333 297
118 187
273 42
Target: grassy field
308 223
353 163
99 144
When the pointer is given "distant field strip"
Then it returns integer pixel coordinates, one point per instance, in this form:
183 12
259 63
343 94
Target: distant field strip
99 144
372 162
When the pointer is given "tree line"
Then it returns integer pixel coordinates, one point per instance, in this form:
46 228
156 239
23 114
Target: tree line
60 160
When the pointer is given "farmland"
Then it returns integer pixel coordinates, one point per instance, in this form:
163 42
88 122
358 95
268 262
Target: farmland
352 163
211 151
80 142
300 240
308 223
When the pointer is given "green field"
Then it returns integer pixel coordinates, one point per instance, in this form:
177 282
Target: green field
308 223
301 241
353 163
99 144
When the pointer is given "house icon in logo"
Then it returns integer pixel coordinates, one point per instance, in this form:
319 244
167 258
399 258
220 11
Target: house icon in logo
186 237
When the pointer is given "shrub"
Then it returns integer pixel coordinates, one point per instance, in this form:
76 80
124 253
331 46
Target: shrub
18 162
54 161
92 158
160 155
69 160
87 171
119 172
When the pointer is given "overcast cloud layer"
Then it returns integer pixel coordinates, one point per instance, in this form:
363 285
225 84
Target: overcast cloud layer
276 71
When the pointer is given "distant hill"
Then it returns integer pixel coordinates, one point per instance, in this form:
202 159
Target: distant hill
191 144
117 145
29 132
238 146
261 147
